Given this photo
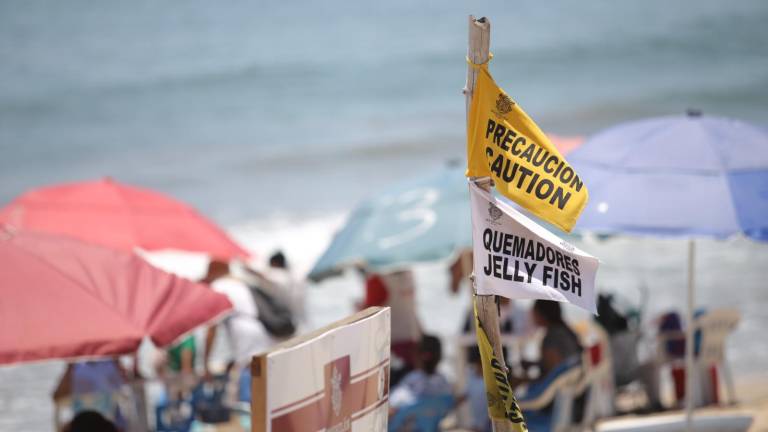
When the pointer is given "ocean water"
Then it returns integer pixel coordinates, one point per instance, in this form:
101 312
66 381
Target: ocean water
274 118
246 108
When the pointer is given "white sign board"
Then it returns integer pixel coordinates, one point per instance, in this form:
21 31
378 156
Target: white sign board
335 379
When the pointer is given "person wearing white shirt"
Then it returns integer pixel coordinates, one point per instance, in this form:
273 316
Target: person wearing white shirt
246 335
279 273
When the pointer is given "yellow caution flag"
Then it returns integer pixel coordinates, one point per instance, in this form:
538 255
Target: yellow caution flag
505 144
502 404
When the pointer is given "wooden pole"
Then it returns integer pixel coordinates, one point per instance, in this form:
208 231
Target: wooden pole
478 52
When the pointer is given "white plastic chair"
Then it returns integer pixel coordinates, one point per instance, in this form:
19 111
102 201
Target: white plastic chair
595 384
714 327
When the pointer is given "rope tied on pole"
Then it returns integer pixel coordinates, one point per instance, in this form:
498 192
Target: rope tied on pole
479 65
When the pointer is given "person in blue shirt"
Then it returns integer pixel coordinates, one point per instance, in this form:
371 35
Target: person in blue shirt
425 380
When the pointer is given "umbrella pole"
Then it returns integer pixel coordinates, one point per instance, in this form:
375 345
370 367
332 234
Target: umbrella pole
689 372
478 52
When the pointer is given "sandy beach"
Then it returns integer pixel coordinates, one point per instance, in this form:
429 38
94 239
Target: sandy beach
753 397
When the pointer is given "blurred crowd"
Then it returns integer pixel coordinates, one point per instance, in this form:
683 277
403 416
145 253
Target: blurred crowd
593 368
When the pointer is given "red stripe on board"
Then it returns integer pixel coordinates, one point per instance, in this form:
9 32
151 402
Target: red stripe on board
359 374
298 402
369 409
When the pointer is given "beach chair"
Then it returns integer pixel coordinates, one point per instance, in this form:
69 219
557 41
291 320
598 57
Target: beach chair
714 327
590 397
670 351
574 395
711 330
544 402
600 373
423 416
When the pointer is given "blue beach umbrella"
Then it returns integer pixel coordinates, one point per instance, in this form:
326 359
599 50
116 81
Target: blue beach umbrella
684 176
677 176
423 219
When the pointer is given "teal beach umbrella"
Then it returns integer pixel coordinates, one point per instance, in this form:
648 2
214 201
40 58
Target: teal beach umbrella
423 219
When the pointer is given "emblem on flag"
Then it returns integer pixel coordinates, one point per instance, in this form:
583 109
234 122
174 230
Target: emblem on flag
503 105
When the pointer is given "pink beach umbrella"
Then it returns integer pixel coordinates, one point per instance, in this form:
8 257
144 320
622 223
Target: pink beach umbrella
566 144
120 216
64 299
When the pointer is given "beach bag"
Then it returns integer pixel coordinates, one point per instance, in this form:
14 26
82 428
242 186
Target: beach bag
274 314
208 400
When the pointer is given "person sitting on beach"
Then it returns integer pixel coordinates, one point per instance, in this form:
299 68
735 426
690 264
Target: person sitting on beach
423 396
425 380
560 343
560 353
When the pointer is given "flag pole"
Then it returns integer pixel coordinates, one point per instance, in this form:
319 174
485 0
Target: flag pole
478 52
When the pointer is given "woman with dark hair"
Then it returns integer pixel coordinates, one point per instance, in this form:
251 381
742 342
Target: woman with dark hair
560 343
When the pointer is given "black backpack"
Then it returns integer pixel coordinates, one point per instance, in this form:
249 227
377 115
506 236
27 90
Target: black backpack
273 313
